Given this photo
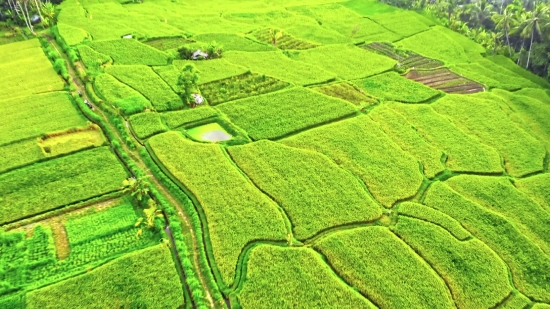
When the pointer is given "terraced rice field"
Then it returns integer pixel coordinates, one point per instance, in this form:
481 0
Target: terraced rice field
325 154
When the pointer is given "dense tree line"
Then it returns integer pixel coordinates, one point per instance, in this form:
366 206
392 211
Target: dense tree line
519 29
27 13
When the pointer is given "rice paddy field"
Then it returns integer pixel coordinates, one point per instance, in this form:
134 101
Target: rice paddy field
343 154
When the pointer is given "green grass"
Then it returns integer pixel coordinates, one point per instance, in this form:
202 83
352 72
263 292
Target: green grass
146 125
103 223
276 114
295 278
277 65
537 188
143 79
348 92
405 135
123 97
233 221
431 215
91 58
131 281
524 258
465 153
346 61
393 87
314 191
212 70
483 117
186 116
360 146
58 182
398 279
129 51
476 276
35 115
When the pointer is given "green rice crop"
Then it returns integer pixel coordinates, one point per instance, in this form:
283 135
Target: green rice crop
431 215
492 75
510 65
128 51
71 141
315 193
406 136
128 100
143 79
167 43
91 58
346 61
295 278
20 153
398 279
348 92
287 41
393 87
360 146
147 124
105 222
179 118
72 35
58 182
207 23
476 276
233 42
465 153
133 280
501 197
277 65
212 70
404 23
537 188
33 116
485 119
275 114
233 221
373 7
516 300
524 258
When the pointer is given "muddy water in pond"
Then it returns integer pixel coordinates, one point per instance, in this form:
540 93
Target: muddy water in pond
211 132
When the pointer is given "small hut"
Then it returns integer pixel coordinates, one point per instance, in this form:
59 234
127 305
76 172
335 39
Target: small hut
199 54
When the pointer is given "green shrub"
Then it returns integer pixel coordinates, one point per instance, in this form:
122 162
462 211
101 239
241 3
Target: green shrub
121 96
315 193
147 124
128 51
308 281
360 146
276 114
393 87
397 271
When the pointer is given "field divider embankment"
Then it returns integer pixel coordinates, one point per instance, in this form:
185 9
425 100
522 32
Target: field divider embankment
342 227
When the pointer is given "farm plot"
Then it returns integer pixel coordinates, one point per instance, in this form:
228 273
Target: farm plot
393 87
123 97
168 43
494 76
277 114
128 51
295 278
287 41
154 285
277 65
538 188
404 23
484 118
91 58
218 186
313 190
147 124
445 80
464 152
187 116
347 91
149 84
231 42
20 153
411 282
360 146
508 64
240 86
346 61
406 59
502 236
58 182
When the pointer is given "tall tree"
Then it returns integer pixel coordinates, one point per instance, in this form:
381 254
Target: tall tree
504 22
187 83
532 25
136 187
480 11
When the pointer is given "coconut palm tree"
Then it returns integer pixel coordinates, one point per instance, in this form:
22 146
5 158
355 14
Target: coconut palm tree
505 21
532 25
136 187
48 13
480 11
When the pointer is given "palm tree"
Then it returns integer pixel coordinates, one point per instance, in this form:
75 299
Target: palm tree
275 34
48 11
532 25
505 21
150 215
480 11
136 187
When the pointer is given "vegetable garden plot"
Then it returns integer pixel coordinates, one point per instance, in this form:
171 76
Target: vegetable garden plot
219 187
315 193
410 283
240 86
360 146
128 100
286 41
393 87
346 61
347 91
445 80
476 275
406 59
147 124
295 278
143 79
58 182
155 285
524 258
277 114
129 51
464 152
